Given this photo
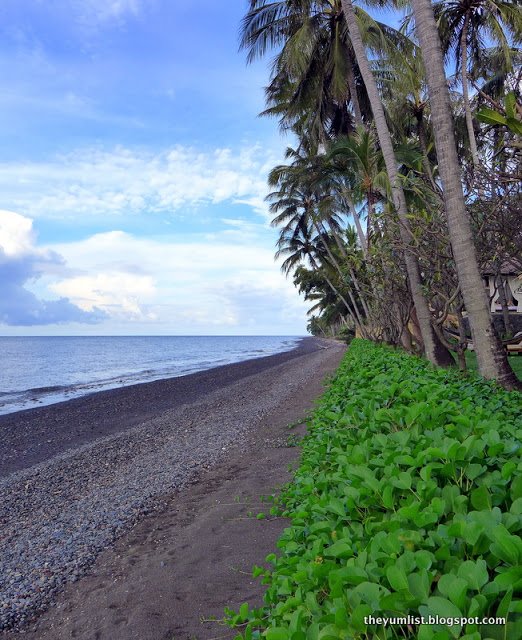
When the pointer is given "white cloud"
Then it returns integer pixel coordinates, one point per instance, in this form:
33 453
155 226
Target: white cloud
95 182
16 234
180 285
118 294
21 263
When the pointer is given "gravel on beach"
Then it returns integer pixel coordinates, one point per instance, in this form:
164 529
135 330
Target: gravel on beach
58 514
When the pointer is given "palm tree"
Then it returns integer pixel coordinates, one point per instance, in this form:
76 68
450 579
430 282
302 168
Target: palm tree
313 78
491 357
315 84
364 160
311 176
403 88
465 26
297 245
433 348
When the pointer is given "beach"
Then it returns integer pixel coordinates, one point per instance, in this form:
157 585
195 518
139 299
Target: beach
127 513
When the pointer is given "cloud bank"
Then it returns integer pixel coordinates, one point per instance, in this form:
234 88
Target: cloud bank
173 285
181 285
96 182
20 263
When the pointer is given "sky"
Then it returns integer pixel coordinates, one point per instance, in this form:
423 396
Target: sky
133 173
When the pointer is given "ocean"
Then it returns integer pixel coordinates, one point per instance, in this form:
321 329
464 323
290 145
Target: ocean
38 371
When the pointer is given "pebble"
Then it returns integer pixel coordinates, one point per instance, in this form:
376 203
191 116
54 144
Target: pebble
57 516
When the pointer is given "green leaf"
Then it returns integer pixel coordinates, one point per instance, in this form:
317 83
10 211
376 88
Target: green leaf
516 488
514 125
277 633
505 546
397 578
339 549
369 592
454 588
503 607
516 507
330 632
403 480
419 585
481 499
357 616
424 559
510 578
387 497
337 507
489 116
348 575
444 609
474 573
473 471
509 103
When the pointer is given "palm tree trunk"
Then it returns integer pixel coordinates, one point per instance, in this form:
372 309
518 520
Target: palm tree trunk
322 232
360 232
412 266
465 91
369 217
353 275
354 98
492 359
335 290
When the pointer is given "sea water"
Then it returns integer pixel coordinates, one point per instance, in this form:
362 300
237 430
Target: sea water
42 370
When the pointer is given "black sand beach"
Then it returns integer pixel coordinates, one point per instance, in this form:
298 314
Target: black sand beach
131 520
35 435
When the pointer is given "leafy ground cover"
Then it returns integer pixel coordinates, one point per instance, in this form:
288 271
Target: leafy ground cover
407 501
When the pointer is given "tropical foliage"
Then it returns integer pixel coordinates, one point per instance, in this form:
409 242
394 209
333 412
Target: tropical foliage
407 502
402 185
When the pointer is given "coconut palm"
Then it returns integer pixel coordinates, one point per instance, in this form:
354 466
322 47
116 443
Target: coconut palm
491 357
298 202
402 85
315 83
466 27
365 161
297 245
433 349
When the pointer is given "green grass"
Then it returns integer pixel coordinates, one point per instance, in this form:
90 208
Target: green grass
514 361
407 502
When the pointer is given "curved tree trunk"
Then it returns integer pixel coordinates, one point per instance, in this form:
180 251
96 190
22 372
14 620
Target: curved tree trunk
354 98
360 232
321 231
492 359
335 290
399 200
465 92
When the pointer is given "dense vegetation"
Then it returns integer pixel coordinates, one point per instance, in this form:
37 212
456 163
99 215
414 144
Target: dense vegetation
407 501
427 168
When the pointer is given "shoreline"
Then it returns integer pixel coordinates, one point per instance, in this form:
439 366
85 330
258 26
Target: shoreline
31 436
57 516
52 390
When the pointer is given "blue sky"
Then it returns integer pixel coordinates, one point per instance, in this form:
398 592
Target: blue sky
133 171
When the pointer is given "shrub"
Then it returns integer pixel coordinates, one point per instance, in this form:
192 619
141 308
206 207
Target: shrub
407 501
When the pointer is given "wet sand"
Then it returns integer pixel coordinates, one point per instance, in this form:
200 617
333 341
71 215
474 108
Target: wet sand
192 554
